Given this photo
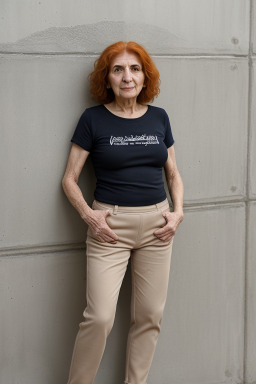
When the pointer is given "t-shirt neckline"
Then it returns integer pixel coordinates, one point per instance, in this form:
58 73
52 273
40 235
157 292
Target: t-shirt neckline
111 114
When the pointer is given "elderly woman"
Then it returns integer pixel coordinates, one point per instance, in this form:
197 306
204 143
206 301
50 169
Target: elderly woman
130 142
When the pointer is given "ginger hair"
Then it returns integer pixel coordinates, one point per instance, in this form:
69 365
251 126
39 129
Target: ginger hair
99 77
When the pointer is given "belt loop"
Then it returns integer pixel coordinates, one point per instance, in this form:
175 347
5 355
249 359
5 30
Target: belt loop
115 210
160 206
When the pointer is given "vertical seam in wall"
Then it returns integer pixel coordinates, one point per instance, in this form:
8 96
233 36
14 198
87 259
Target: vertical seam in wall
247 188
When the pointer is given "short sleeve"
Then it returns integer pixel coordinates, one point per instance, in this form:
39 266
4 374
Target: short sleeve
168 140
83 134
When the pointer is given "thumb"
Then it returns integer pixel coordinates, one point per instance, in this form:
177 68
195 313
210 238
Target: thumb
107 213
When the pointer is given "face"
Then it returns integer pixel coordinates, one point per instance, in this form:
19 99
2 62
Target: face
126 77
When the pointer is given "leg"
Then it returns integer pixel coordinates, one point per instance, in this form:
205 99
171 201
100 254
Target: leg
150 274
106 266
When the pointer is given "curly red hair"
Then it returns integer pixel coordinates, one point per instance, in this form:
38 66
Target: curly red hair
98 78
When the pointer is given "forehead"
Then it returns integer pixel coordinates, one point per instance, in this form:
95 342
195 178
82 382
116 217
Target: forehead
126 58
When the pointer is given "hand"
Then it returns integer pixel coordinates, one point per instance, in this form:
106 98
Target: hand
99 227
166 233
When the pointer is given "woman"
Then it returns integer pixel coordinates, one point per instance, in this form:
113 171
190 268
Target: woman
130 142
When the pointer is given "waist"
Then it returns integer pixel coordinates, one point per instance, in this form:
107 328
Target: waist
162 206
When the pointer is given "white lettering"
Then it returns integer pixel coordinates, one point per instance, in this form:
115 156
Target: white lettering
129 140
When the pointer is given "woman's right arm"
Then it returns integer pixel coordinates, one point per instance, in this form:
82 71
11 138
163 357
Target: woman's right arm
96 219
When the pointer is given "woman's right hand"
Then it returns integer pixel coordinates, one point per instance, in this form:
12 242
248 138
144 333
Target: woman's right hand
100 228
96 219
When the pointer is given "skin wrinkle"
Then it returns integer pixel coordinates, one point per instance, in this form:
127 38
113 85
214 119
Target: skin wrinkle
123 75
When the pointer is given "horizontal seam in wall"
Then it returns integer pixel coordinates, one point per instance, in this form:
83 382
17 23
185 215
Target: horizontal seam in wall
155 55
57 248
227 202
41 249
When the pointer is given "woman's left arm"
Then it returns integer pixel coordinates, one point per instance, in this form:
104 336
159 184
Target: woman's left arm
176 189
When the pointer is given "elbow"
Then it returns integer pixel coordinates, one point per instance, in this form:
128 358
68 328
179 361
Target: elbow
65 183
68 182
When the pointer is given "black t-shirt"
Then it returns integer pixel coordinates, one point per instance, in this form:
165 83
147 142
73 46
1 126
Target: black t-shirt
128 155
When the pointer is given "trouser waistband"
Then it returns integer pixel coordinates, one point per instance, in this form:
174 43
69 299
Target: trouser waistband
140 209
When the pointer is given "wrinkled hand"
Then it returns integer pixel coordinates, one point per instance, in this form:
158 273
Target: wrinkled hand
167 232
100 229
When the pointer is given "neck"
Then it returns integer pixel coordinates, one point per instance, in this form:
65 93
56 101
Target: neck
126 107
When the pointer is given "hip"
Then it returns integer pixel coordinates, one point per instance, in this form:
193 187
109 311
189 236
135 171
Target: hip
134 226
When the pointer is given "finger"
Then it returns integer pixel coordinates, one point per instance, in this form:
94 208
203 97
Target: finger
166 238
106 239
165 215
160 231
111 234
110 240
165 231
105 234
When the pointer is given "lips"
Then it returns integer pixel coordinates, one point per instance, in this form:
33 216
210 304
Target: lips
127 88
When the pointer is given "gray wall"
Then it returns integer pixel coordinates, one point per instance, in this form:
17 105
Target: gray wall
206 54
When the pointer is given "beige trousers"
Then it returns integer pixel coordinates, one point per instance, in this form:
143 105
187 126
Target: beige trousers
106 266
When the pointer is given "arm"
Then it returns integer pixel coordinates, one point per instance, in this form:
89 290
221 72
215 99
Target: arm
94 218
176 189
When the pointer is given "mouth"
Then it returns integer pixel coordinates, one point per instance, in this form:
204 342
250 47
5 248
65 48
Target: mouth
127 88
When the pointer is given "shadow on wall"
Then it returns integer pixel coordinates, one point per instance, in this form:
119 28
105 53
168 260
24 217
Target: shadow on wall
93 38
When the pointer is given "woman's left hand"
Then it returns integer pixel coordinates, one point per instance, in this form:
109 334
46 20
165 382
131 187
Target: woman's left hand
173 219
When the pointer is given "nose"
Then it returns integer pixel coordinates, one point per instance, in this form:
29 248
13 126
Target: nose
127 75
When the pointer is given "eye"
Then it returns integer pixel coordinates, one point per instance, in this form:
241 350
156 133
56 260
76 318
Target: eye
136 69
117 69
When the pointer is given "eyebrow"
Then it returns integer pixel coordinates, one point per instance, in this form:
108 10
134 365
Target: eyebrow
121 66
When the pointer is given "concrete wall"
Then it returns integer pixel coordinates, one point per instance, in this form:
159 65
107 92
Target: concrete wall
206 54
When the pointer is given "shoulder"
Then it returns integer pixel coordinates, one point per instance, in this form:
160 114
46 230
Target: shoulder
158 111
93 111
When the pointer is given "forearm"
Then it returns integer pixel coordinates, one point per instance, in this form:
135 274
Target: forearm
95 219
176 189
75 196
